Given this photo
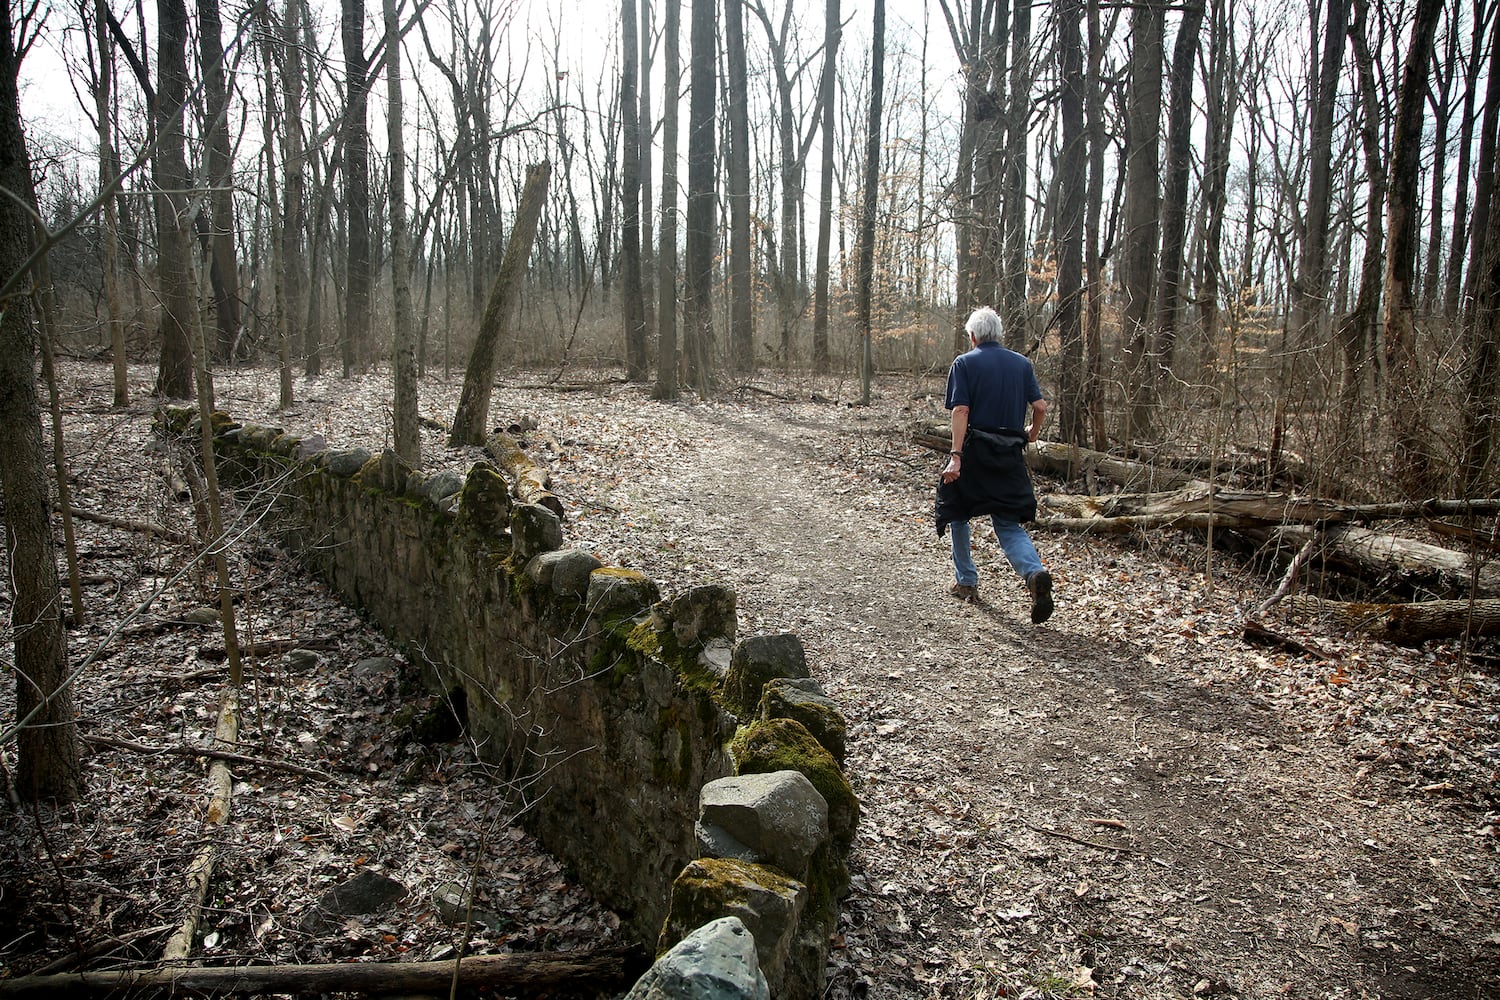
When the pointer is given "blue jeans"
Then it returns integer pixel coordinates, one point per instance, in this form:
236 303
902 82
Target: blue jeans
1019 551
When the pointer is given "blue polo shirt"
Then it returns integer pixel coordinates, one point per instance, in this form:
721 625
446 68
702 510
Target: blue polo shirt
996 384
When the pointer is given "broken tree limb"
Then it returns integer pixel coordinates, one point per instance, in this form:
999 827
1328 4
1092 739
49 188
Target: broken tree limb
127 525
227 756
221 790
269 647
590 973
1408 624
530 481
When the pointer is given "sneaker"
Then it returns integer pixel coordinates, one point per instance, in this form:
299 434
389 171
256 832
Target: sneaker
1040 585
964 592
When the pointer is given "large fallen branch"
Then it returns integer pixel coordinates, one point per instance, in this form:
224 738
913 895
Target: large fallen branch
1415 564
590 973
531 482
228 756
1408 624
127 525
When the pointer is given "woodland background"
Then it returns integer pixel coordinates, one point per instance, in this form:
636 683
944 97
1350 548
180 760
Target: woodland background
1208 223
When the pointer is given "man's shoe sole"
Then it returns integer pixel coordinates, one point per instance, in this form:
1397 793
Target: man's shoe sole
1041 597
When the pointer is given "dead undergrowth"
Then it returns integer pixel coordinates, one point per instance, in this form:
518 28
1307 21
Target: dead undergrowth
1128 801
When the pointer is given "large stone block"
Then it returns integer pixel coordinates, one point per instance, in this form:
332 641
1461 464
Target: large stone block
533 530
484 504
715 962
803 699
699 615
565 571
777 819
616 591
765 900
756 661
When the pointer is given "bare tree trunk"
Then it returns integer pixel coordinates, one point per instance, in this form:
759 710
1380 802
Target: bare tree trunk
630 180
1220 117
1484 177
295 280
407 432
280 318
109 217
1459 237
1175 195
479 377
871 193
174 376
1356 331
1481 415
1406 403
47 741
1138 255
831 33
698 313
224 269
1093 388
1438 96
648 255
666 346
968 44
1071 170
357 333
1013 279
737 193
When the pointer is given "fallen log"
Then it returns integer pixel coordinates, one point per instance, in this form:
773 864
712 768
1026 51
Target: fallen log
1417 565
1407 624
228 756
590 973
530 482
263 648
125 524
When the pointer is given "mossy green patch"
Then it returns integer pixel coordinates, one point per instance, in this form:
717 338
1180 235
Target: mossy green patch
786 745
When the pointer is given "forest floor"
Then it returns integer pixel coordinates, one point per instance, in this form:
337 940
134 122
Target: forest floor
1127 801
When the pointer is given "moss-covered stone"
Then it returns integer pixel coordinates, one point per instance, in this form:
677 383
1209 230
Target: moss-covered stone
614 591
757 660
786 745
533 530
484 502
769 903
803 699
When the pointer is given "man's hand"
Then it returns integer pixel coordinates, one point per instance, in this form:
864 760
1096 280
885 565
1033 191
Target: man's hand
950 474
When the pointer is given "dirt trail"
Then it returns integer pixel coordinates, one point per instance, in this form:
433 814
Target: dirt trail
1058 809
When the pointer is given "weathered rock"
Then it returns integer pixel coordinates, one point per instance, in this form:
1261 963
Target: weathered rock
715 962
441 486
484 504
776 818
616 591
300 660
565 571
309 446
451 900
346 462
699 615
367 892
803 699
201 616
533 529
756 661
785 744
766 902
389 472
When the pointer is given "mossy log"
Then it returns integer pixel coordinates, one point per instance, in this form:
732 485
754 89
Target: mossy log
583 973
1408 624
530 481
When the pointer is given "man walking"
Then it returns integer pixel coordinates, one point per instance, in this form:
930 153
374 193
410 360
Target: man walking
990 391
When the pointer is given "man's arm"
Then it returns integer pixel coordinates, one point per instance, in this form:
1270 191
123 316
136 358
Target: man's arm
960 424
1038 417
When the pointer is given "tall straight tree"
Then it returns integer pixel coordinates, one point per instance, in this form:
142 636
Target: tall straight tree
737 191
831 32
224 273
1174 204
1310 290
1071 177
630 183
294 279
1453 284
1015 271
865 293
970 42
1142 221
356 187
108 214
666 260
698 314
47 741
174 376
407 431
1406 411
1484 178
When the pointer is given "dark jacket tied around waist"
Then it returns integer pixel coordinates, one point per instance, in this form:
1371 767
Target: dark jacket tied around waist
993 479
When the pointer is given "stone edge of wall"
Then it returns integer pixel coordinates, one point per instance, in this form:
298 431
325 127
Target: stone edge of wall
791 725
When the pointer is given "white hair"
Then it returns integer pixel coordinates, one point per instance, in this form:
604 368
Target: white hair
983 325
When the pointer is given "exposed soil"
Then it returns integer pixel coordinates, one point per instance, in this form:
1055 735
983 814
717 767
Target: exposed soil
1127 801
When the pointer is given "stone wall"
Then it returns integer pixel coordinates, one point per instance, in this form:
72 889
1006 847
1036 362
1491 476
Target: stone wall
606 707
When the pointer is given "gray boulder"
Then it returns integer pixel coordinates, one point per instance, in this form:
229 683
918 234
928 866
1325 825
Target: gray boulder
776 819
757 660
715 962
345 462
565 571
533 530
803 699
367 892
